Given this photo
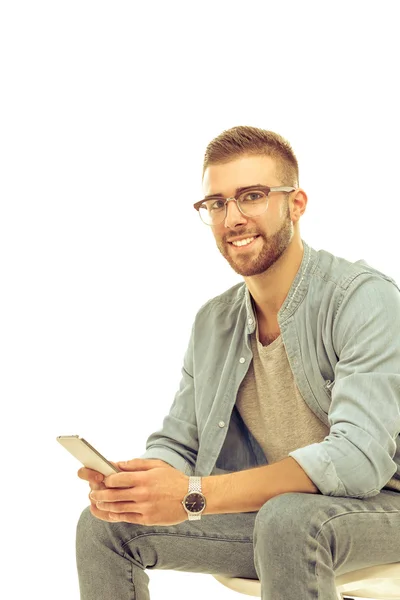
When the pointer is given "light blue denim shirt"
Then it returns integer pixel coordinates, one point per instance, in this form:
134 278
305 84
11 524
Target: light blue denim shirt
340 325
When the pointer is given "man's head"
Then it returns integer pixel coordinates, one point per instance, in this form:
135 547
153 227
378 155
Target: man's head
247 156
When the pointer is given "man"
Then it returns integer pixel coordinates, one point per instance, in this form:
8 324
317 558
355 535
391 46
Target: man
280 456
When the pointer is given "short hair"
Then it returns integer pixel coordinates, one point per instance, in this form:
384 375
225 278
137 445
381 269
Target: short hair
252 141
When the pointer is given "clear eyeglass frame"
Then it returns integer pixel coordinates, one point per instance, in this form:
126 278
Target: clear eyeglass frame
265 189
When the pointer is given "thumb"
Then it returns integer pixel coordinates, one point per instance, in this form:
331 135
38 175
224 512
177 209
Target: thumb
139 464
135 464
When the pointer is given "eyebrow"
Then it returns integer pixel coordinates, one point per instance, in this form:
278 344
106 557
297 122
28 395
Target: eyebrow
238 190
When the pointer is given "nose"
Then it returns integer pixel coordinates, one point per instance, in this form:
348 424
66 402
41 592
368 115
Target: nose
233 214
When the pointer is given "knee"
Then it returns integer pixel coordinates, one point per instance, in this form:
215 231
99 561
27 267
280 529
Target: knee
286 514
84 529
90 532
297 514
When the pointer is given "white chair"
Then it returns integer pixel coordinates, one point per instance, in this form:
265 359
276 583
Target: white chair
381 583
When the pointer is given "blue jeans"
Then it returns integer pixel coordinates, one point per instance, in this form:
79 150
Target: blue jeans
295 545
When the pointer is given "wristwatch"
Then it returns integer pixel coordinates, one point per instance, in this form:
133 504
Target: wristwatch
194 502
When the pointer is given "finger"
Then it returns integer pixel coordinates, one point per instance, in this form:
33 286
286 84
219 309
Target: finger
117 507
97 486
90 475
105 516
123 479
99 514
117 495
93 504
142 464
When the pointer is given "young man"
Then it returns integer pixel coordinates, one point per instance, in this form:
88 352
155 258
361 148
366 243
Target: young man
280 456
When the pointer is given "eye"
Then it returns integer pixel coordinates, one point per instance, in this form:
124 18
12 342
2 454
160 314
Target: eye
217 204
252 196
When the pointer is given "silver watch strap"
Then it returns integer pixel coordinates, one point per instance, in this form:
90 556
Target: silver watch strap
194 484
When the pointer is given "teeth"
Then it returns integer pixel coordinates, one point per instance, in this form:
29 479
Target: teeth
243 242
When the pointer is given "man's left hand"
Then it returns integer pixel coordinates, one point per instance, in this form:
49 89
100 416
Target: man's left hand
147 492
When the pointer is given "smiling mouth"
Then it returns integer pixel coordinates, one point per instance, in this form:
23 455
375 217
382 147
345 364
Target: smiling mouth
253 239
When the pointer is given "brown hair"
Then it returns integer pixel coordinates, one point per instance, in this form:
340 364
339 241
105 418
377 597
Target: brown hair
242 140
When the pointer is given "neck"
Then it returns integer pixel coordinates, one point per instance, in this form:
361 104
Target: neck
269 290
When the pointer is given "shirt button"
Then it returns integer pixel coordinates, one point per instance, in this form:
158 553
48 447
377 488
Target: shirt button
241 360
250 321
221 424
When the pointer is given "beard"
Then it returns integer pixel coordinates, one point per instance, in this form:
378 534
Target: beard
261 258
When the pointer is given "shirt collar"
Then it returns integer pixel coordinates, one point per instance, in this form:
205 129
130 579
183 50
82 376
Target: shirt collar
296 293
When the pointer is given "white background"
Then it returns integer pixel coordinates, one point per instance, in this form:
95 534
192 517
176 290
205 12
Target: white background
106 112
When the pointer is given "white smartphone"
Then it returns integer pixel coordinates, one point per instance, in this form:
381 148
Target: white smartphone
86 454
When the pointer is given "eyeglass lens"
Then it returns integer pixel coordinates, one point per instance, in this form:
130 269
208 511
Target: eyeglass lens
252 203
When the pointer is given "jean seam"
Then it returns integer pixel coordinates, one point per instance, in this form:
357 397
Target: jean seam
198 537
370 512
131 579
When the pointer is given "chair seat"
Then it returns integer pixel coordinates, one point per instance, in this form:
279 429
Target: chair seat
382 581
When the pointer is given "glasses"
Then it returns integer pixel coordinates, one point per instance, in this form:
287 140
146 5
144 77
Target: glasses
252 203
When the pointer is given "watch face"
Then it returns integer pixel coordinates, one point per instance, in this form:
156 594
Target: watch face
194 502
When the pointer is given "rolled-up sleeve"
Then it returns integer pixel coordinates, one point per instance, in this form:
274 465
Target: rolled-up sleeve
356 458
177 441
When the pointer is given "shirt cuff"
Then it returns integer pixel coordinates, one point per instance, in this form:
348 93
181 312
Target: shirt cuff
318 465
170 457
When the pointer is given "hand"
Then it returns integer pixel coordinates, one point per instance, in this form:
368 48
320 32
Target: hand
147 492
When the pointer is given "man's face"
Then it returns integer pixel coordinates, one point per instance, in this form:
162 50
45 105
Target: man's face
274 227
